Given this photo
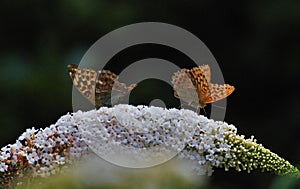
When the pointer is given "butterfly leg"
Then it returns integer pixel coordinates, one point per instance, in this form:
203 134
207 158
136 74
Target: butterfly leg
181 105
198 111
205 112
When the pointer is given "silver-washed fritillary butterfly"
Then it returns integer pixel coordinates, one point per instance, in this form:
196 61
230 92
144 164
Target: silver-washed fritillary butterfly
98 86
193 86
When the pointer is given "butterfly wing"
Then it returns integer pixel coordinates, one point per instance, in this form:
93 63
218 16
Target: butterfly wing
104 85
184 87
206 71
109 91
119 91
210 92
217 92
199 80
101 88
186 82
118 94
84 80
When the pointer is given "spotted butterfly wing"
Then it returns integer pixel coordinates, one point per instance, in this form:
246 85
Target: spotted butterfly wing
109 91
84 80
206 71
217 92
101 88
189 85
194 87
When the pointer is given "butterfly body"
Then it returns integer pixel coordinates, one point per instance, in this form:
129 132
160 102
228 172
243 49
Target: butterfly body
193 86
101 88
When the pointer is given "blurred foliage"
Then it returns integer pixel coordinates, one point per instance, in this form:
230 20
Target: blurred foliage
158 180
256 44
285 183
171 175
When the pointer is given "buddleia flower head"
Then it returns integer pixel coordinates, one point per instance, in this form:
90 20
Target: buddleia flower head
208 144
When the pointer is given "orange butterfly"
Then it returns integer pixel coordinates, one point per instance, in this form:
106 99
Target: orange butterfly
193 86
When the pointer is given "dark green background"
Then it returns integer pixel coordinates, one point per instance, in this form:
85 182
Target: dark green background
256 44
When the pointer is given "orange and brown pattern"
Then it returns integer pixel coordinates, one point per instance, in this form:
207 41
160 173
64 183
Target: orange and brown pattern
101 88
193 86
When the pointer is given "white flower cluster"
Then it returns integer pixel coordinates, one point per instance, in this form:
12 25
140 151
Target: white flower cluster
136 136
143 136
209 145
43 151
136 129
